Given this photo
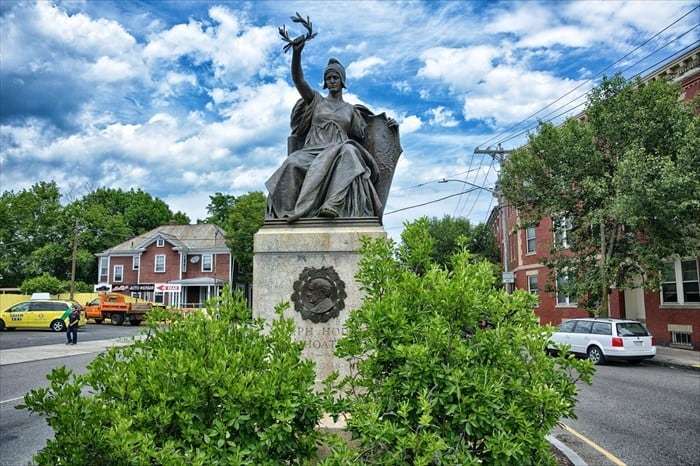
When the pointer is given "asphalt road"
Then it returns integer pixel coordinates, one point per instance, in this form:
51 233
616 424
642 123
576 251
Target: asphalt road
643 415
22 434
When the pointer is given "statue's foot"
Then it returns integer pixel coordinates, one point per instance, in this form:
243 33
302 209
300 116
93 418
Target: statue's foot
328 212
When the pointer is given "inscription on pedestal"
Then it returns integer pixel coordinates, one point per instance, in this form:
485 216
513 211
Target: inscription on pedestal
320 337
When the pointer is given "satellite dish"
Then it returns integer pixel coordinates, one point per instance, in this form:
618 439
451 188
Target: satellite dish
194 259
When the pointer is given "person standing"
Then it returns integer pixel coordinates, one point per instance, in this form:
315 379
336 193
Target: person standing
72 329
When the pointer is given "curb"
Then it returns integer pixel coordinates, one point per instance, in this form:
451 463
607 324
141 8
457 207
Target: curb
566 451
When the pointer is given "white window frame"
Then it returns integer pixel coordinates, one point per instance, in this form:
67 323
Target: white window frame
104 267
562 299
688 270
118 273
160 242
561 226
135 262
530 240
210 259
157 269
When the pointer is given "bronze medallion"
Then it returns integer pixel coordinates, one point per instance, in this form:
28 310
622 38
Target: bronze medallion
319 294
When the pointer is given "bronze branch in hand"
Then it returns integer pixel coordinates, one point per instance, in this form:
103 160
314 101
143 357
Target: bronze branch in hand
292 42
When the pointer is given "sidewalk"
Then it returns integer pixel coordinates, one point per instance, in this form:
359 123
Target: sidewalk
59 350
674 357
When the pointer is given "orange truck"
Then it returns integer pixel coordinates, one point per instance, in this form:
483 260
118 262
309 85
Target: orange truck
113 306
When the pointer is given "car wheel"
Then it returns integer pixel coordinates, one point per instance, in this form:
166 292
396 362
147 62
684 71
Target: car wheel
2 325
596 355
117 319
58 326
99 321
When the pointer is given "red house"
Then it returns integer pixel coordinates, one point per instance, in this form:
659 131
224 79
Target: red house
177 265
671 313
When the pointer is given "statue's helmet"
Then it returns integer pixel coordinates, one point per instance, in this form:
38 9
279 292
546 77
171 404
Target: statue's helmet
334 65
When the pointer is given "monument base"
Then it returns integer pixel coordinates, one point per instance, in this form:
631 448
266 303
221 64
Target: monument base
312 265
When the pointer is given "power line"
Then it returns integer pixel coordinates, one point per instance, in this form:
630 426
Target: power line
595 76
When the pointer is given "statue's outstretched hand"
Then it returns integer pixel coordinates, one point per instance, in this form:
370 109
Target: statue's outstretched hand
391 123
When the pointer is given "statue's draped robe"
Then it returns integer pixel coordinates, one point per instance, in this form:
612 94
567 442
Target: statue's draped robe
332 171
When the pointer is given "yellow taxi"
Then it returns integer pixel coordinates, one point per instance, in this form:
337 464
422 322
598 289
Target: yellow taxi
42 313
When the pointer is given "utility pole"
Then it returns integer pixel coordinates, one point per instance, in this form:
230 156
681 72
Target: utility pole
74 258
500 155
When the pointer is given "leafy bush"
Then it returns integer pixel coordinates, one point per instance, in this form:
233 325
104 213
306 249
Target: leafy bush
449 369
43 283
211 388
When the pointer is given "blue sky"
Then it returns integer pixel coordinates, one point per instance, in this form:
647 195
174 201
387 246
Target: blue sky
184 99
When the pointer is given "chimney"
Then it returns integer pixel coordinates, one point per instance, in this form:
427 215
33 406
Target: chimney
172 222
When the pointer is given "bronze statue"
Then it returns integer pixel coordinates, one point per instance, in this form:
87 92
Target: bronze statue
341 158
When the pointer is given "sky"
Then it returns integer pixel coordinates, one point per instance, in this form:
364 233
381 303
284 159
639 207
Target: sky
185 99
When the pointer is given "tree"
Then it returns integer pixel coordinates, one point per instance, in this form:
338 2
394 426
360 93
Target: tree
34 234
626 179
432 387
240 217
448 230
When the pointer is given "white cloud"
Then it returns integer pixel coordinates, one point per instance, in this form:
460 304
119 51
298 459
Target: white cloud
361 68
442 117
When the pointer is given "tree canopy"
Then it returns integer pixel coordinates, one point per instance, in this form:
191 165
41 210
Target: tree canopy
240 217
626 176
37 230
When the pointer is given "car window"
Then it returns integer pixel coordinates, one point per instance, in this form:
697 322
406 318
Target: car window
631 329
567 326
95 302
42 306
20 307
601 328
583 326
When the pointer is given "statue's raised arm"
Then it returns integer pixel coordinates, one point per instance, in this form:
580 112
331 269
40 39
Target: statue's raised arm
341 158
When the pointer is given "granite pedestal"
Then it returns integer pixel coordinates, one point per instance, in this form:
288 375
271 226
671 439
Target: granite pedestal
288 258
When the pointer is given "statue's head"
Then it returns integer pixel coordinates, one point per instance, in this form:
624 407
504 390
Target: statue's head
334 66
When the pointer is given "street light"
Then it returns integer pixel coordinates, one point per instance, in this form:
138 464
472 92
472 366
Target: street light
507 275
445 180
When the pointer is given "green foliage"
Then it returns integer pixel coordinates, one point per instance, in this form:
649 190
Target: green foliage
628 175
32 234
37 231
241 217
44 283
448 230
211 388
433 388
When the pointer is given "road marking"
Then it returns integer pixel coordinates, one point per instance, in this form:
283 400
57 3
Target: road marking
12 399
595 446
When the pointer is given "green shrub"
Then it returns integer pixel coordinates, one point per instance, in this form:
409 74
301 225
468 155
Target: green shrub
212 388
432 387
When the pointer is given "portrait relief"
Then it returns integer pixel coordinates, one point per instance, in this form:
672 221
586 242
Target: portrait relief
319 294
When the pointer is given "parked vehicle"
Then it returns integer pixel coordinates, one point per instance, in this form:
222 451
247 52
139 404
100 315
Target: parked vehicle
603 340
40 313
113 306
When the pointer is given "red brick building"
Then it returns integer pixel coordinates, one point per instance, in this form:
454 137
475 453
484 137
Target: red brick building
672 313
178 265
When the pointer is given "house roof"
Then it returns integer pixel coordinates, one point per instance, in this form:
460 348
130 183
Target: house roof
199 237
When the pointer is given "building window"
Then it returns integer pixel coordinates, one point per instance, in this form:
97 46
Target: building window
160 242
135 262
564 299
159 266
681 282
532 284
531 244
562 226
118 273
103 266
681 339
159 297
207 263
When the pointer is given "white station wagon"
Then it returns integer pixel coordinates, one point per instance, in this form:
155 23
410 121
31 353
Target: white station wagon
603 340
